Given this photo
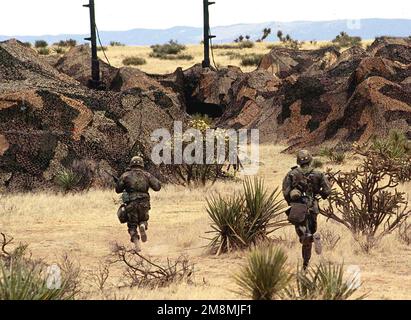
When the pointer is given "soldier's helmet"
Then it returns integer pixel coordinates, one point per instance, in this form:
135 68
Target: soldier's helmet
304 157
137 161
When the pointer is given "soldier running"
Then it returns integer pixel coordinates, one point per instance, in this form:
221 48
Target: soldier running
134 185
302 187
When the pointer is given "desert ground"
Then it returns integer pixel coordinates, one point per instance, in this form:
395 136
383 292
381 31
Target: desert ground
116 54
84 226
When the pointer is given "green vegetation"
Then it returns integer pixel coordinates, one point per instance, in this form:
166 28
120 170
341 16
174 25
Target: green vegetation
170 51
67 180
134 61
265 276
343 40
245 219
324 282
251 59
66 43
116 44
43 51
40 44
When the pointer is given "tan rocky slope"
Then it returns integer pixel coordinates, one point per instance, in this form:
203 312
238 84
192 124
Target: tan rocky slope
49 118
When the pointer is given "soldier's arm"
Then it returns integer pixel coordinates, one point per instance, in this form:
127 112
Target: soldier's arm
287 188
325 187
155 184
120 185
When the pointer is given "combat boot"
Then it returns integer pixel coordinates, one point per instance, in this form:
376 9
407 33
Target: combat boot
134 238
318 248
143 233
306 253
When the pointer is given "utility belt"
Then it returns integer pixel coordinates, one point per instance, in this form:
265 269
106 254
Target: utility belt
133 196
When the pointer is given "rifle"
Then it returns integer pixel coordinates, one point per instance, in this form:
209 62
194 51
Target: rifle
116 179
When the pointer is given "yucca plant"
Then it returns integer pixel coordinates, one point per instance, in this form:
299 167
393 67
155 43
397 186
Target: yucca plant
323 282
338 157
262 210
228 222
67 179
25 280
245 219
395 146
265 276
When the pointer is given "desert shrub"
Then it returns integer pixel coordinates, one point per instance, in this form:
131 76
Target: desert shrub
170 48
335 155
101 48
343 40
251 60
226 46
205 170
232 55
198 117
244 219
394 146
40 44
329 239
116 44
164 56
404 233
366 200
59 50
43 51
134 61
338 157
324 282
317 163
67 179
23 278
85 171
27 44
265 276
66 43
141 271
248 44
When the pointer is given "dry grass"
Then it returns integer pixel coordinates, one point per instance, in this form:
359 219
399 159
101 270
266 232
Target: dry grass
157 66
84 225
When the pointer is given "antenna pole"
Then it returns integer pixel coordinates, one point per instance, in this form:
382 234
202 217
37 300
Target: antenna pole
207 35
94 82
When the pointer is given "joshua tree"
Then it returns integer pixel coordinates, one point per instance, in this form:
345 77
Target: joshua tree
280 35
266 33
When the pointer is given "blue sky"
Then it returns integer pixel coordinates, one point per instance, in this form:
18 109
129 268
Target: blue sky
28 17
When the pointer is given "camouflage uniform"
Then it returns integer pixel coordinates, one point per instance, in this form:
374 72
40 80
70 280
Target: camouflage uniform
135 184
303 184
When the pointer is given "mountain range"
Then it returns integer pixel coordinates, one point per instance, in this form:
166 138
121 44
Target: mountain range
299 30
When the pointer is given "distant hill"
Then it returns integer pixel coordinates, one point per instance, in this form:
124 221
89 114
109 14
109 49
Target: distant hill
300 30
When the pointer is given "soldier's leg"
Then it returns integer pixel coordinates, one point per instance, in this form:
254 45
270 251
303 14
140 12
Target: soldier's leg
312 220
306 253
306 241
132 224
143 217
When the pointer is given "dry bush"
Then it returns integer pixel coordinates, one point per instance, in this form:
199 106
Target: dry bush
144 272
99 277
329 238
404 233
366 199
208 169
